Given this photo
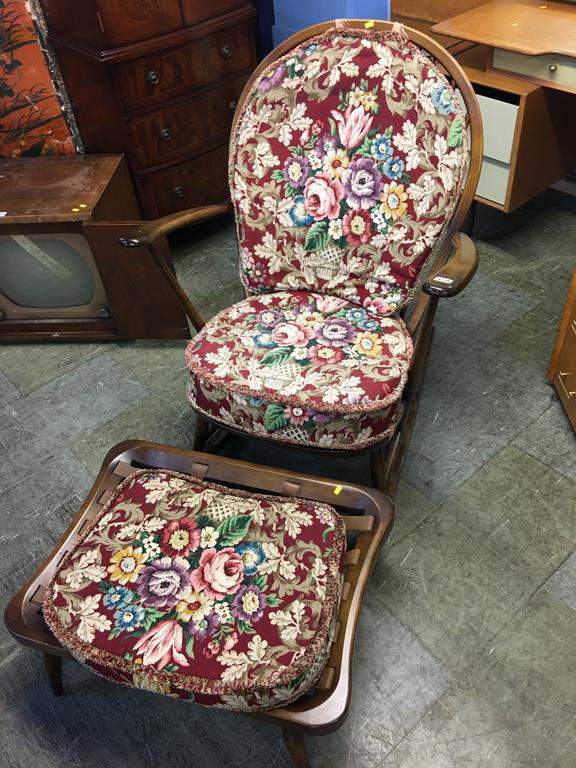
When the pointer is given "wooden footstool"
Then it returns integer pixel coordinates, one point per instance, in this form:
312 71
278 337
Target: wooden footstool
367 515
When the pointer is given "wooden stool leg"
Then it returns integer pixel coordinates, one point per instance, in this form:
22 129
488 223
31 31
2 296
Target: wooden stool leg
200 433
297 748
53 666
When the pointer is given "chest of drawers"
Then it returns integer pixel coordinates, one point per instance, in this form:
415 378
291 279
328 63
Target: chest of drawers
159 81
562 370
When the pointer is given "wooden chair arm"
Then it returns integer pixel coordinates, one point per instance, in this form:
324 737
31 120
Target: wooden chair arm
451 278
146 232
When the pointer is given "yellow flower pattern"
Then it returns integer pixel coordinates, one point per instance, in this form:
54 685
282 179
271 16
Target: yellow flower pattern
126 564
394 201
368 344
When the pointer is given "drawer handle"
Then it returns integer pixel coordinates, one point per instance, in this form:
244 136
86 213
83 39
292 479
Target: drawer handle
552 68
165 134
153 77
226 51
233 104
179 192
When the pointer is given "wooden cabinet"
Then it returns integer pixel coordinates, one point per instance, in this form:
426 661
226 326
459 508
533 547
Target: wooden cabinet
158 80
63 274
101 24
562 371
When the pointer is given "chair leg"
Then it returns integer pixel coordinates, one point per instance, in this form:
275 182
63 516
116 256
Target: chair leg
297 748
53 666
200 433
378 470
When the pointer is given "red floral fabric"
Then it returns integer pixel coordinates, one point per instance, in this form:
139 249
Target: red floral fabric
298 426
305 367
192 590
346 164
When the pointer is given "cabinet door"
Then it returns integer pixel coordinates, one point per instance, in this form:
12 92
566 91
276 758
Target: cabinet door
104 24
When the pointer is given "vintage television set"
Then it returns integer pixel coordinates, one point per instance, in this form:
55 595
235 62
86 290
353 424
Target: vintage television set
63 274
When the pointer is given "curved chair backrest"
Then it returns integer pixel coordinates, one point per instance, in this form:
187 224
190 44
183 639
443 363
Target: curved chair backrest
352 157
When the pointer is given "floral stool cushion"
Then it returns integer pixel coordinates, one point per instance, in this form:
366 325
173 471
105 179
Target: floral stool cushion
302 368
192 590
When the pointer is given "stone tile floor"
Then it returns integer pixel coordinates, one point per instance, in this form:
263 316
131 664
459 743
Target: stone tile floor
466 654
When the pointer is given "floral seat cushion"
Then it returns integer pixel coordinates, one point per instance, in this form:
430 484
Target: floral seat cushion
301 367
346 164
189 589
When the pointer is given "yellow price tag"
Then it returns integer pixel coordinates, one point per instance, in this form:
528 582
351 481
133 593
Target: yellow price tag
337 490
75 210
369 25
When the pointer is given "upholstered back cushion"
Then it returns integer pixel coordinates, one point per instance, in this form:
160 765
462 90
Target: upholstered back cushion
346 165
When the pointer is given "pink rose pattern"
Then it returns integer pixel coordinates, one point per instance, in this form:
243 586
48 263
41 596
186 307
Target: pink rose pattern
219 573
351 196
322 197
187 622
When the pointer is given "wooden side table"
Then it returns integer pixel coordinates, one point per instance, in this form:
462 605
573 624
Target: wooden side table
562 370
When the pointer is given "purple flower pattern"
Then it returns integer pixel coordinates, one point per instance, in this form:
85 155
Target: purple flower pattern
160 582
363 183
336 333
248 603
205 627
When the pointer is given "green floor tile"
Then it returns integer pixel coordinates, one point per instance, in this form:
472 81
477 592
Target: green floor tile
449 589
28 366
523 511
519 698
153 420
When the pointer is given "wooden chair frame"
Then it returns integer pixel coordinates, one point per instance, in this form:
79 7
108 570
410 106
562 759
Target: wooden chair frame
453 267
368 516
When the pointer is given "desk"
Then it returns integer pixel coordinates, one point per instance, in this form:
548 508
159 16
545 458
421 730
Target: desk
527 94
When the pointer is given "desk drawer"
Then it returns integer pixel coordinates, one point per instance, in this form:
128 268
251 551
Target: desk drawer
493 182
150 80
187 128
499 123
556 70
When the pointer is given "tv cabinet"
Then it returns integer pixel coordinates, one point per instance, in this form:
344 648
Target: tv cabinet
61 277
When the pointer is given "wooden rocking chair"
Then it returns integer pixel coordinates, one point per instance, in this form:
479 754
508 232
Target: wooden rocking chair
302 276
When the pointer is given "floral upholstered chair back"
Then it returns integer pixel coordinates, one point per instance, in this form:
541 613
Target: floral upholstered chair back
346 164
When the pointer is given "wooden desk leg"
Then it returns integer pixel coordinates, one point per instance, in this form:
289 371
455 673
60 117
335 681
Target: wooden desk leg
297 748
53 666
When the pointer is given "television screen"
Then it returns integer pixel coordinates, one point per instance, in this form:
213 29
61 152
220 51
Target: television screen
49 275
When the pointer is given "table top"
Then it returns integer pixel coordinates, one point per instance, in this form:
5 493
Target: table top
48 189
532 27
